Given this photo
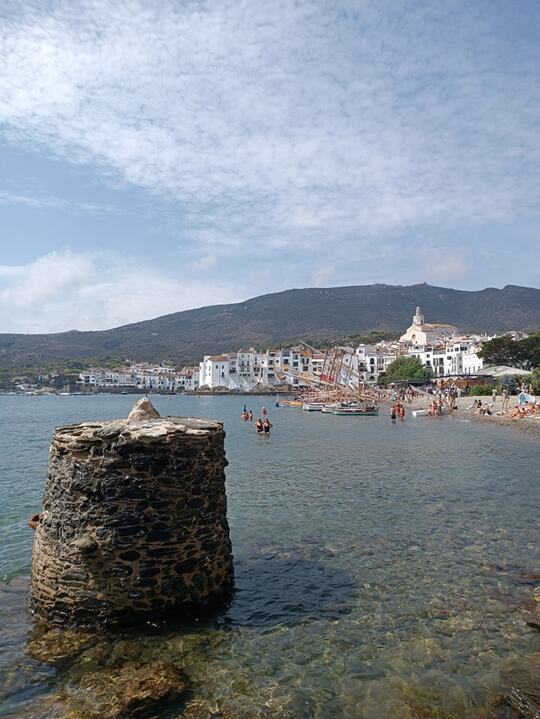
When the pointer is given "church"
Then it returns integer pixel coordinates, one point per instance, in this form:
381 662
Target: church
422 333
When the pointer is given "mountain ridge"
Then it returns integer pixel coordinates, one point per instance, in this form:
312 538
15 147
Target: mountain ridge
298 313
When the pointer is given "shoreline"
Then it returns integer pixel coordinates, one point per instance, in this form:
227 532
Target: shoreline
526 425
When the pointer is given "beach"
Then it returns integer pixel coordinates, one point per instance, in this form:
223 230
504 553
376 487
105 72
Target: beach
529 426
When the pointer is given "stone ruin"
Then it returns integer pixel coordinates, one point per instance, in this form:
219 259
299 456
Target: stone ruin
134 521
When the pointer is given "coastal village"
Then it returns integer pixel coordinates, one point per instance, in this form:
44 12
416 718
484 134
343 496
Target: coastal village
439 347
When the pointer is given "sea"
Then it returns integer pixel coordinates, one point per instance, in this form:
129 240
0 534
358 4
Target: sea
381 570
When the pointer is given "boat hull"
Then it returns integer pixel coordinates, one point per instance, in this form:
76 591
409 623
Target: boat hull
312 407
351 412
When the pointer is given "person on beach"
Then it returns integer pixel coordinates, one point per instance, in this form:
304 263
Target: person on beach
259 426
505 399
494 395
267 426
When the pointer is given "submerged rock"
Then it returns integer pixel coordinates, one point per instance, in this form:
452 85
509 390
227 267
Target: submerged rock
201 710
128 691
58 645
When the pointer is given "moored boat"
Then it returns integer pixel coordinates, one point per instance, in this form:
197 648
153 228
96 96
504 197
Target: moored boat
313 406
351 410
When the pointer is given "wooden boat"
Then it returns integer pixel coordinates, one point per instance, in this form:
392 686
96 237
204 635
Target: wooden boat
291 403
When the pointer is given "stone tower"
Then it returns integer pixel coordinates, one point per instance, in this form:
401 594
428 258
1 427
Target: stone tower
134 521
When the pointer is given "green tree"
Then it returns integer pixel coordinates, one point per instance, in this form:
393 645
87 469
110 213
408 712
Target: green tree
406 368
482 390
504 350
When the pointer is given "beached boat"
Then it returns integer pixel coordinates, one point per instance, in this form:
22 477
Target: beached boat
313 406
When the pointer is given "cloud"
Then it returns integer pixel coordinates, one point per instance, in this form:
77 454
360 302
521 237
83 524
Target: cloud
285 122
445 265
73 290
324 275
56 203
203 263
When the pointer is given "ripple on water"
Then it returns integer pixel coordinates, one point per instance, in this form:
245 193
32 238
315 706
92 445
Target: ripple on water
380 569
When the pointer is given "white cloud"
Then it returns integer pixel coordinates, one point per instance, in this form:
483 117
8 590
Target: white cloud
203 263
70 290
57 203
284 121
445 265
324 275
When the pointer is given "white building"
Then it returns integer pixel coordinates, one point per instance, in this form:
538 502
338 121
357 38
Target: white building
147 378
248 368
187 379
373 360
453 358
423 333
471 362
214 371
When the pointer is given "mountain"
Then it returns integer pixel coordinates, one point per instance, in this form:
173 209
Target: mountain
282 316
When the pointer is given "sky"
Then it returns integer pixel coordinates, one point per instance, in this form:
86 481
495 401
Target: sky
160 156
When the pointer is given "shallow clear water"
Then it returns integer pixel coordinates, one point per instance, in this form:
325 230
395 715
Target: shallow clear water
379 568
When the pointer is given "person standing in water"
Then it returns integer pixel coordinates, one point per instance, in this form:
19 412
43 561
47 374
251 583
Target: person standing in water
393 414
259 426
264 412
267 426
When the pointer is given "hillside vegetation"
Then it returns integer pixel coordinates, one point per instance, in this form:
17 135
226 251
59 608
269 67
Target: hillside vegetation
281 317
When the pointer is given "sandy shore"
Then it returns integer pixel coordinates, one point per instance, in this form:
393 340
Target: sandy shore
528 425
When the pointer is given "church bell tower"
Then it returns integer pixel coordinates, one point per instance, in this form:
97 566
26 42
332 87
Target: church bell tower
418 319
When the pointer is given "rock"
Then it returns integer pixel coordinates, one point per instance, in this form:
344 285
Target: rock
85 544
58 645
536 594
201 710
124 692
143 409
